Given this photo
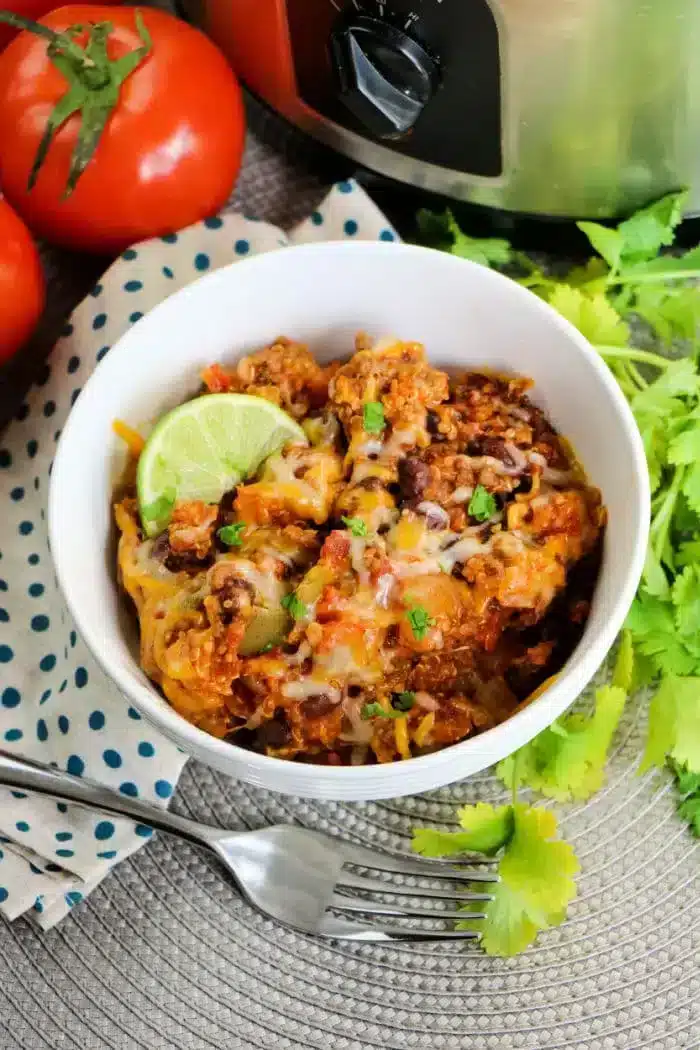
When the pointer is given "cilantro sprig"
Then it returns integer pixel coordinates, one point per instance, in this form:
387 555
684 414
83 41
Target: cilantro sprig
232 535
356 526
373 421
482 504
420 620
629 296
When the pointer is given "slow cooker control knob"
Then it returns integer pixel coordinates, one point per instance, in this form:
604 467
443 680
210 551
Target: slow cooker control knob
385 77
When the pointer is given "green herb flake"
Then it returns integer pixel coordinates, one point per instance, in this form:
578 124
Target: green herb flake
482 505
232 535
294 606
403 701
375 710
420 621
356 526
373 417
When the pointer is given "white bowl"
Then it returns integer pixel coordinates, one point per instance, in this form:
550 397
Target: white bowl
322 294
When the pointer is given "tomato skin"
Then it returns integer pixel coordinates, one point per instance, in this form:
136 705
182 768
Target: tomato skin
170 151
21 282
33 9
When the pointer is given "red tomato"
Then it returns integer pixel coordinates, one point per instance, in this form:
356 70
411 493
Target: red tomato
21 282
170 150
29 9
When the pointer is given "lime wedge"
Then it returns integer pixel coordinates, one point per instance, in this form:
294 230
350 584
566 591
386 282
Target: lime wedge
204 448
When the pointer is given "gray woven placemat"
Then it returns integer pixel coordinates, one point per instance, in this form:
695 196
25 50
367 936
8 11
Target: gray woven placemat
165 955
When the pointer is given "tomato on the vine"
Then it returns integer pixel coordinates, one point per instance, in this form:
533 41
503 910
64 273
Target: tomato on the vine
116 124
21 282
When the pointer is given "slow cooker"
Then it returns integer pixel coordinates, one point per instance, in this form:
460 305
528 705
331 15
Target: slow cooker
562 108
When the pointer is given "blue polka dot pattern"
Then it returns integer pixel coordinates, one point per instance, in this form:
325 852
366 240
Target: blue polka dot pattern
213 222
130 254
317 218
167 272
344 187
170 238
22 825
33 559
17 494
5 458
136 316
44 696
96 292
101 353
104 830
387 235
35 590
72 638
3 894
112 758
201 261
96 720
99 321
107 854
48 662
133 286
146 750
6 654
75 766
133 713
25 527
73 897
4 616
129 788
143 831
63 724
81 677
10 697
42 731
39 623
164 788
242 247
65 852
13 735
350 227
64 836
74 363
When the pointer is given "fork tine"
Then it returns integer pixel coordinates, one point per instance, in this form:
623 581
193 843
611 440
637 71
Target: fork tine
342 903
343 929
367 858
360 882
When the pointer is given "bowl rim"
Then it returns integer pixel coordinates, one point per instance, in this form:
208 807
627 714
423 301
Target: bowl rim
501 739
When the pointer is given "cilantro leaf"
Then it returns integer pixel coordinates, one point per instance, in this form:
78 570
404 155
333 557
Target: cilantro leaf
373 417
482 504
443 231
606 241
536 885
486 829
623 672
688 786
567 760
685 595
420 621
231 535
403 701
294 606
674 724
376 710
653 626
356 526
593 315
651 228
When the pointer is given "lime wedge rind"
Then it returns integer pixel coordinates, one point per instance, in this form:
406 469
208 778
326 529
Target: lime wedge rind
205 447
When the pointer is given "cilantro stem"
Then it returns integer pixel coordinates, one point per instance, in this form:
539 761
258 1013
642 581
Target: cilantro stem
663 517
656 276
632 353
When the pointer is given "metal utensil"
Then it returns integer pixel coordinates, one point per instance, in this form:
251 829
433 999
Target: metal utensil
300 877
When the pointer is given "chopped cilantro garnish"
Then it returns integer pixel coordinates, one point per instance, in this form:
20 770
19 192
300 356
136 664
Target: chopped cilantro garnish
232 535
373 417
420 620
403 701
482 505
375 710
294 606
356 526
266 648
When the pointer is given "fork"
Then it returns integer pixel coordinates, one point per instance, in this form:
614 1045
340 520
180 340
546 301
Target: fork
304 879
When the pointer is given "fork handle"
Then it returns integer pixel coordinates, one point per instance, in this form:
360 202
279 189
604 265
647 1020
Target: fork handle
26 775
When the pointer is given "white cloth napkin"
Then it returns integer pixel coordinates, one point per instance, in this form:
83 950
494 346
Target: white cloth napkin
56 705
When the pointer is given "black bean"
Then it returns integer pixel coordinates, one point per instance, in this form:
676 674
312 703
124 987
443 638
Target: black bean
414 477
